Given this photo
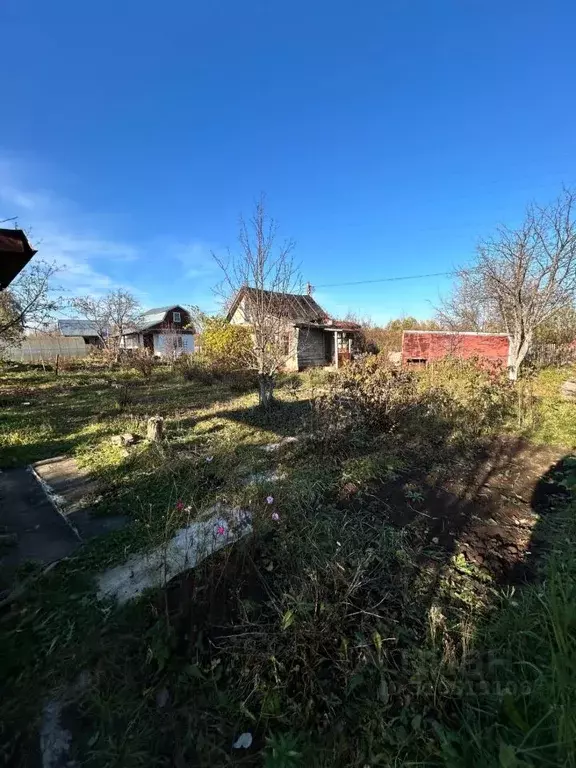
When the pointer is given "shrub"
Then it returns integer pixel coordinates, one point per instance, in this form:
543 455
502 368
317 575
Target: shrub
477 398
194 368
226 346
366 395
453 401
143 361
240 381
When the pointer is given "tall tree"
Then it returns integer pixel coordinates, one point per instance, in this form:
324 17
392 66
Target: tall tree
521 277
265 265
111 315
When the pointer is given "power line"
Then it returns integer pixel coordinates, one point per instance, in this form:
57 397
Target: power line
388 279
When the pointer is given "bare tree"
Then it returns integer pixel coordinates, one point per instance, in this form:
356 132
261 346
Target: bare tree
111 315
265 270
29 303
522 277
468 308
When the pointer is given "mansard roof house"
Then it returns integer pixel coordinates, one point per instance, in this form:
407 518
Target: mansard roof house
164 331
311 337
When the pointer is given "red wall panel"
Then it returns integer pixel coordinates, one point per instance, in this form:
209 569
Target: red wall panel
430 346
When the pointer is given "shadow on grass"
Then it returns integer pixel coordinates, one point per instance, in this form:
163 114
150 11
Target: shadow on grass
336 627
66 408
285 418
515 700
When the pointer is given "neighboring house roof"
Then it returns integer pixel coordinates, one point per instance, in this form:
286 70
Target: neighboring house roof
155 316
15 253
293 306
77 328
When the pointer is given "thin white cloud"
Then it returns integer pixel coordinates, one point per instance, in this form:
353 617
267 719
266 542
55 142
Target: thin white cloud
80 253
196 259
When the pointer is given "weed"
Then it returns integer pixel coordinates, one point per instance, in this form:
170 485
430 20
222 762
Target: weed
282 751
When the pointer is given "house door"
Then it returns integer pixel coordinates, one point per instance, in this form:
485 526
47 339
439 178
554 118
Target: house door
329 347
148 342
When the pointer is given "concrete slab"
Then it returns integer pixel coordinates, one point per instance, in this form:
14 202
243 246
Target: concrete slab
72 486
90 525
188 547
43 535
73 491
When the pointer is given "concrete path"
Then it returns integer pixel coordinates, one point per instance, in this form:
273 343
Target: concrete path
46 512
43 535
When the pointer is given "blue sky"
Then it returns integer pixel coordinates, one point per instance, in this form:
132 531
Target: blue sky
388 136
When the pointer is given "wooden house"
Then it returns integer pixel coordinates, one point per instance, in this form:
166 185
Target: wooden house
164 331
311 338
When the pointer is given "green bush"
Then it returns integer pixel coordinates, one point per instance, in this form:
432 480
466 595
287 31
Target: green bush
226 346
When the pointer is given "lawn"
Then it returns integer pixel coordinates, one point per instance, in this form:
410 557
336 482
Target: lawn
370 619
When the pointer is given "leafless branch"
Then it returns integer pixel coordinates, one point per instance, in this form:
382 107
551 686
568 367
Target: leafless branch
522 277
264 269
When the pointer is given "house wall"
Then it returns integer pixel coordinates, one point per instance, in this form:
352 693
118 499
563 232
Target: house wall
430 346
311 347
239 317
132 341
164 344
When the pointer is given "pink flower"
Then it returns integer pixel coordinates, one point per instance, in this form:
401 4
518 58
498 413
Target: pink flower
220 530
179 505
270 500
275 517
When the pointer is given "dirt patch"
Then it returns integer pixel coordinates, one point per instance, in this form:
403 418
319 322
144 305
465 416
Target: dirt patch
488 512
205 605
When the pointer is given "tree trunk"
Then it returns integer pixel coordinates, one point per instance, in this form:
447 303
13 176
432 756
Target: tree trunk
266 390
519 346
155 429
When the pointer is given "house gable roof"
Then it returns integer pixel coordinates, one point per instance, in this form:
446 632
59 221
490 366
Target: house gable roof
298 308
77 328
15 253
155 316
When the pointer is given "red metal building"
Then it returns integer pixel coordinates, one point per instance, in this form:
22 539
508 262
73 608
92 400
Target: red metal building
427 346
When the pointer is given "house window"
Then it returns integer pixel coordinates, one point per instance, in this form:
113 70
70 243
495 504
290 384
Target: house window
286 344
176 317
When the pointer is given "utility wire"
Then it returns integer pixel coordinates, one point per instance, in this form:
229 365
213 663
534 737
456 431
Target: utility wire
388 279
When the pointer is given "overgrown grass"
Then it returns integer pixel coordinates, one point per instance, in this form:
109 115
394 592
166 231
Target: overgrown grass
344 632
553 419
519 707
